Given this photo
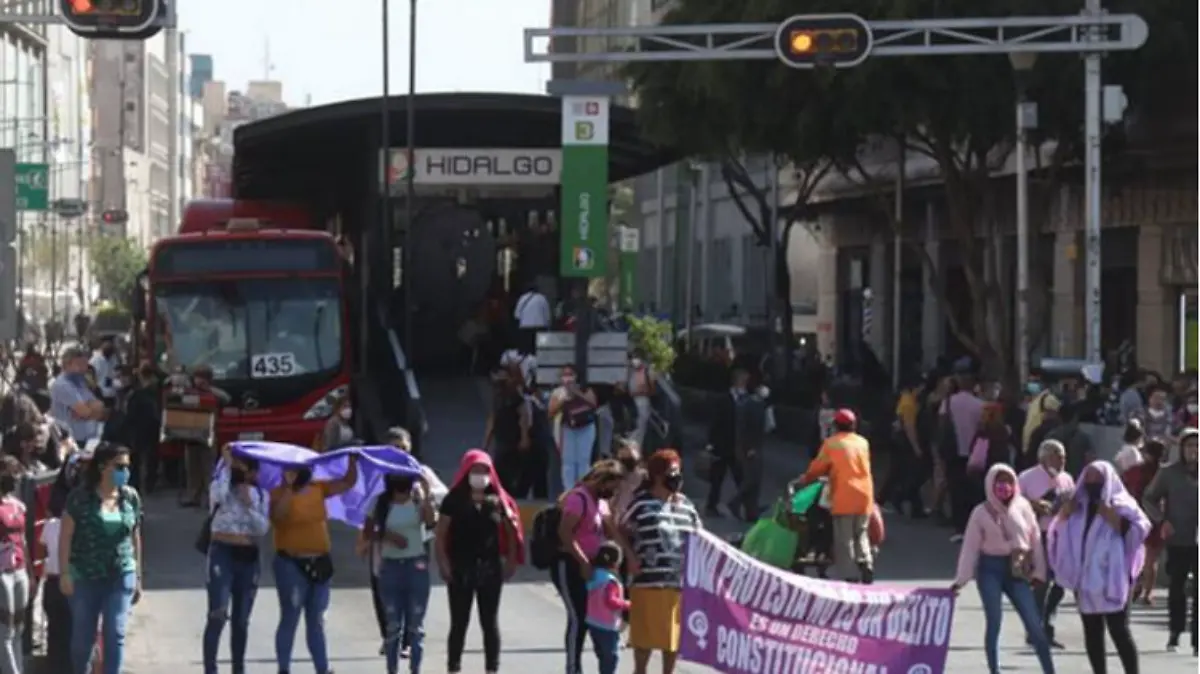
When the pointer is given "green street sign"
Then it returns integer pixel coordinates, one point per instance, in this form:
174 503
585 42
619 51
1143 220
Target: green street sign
33 187
584 229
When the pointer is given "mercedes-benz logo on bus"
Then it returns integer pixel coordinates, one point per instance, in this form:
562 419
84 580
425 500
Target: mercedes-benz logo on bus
249 401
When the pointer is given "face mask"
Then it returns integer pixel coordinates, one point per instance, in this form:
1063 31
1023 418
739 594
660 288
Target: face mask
346 413
1157 414
673 482
629 464
303 477
567 381
1004 491
76 378
400 484
1192 407
605 493
479 481
120 477
1093 489
1033 388
637 363
8 484
237 475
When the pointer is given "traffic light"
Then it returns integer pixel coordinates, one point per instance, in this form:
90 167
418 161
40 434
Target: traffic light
112 19
834 40
114 216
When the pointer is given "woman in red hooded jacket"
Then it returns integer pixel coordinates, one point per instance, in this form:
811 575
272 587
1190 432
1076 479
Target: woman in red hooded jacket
479 546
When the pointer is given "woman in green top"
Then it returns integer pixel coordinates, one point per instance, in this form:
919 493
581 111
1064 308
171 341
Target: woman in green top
100 552
400 519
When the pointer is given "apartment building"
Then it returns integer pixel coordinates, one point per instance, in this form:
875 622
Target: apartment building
224 112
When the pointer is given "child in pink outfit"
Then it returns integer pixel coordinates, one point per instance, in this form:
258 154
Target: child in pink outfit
606 602
1002 551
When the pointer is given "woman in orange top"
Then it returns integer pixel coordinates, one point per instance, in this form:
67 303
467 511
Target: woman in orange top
303 567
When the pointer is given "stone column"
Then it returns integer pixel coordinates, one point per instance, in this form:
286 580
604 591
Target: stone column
827 289
1157 305
932 319
1066 314
880 283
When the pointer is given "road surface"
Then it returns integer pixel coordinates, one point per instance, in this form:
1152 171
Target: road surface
167 625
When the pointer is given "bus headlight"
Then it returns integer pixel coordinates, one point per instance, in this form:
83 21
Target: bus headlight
323 408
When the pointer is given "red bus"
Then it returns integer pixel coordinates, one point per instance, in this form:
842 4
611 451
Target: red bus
255 291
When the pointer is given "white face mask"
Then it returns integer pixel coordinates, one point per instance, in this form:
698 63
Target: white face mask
1157 413
346 413
1191 408
637 363
479 481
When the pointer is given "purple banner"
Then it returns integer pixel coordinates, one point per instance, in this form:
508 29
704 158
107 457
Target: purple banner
741 616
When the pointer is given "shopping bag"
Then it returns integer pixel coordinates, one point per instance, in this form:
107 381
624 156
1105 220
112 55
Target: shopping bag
804 498
771 542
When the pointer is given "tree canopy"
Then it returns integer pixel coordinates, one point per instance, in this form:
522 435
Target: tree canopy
116 262
956 110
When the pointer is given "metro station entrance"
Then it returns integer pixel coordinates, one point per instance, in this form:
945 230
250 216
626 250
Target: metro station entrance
486 176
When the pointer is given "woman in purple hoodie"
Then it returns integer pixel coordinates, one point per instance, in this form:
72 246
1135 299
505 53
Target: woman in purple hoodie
1095 550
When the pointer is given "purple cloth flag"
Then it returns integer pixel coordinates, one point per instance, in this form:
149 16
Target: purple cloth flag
350 507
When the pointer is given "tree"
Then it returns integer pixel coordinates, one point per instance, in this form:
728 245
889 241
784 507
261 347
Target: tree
116 262
955 110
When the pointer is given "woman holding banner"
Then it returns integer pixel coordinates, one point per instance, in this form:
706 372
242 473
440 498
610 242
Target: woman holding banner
303 567
1002 551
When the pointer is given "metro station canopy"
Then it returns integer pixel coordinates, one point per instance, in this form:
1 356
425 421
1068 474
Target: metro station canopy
290 155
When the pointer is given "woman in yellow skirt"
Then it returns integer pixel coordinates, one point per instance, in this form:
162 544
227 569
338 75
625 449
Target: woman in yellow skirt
656 524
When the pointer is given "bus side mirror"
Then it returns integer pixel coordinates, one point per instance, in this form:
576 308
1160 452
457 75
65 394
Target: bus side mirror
138 301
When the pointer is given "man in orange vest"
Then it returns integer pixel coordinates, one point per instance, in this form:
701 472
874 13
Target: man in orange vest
845 459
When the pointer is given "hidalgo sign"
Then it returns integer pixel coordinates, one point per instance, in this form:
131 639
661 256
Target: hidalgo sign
468 167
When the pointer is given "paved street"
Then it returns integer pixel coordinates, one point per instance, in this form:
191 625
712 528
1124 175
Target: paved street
166 627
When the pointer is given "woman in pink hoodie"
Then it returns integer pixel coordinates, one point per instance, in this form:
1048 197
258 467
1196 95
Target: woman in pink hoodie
1002 551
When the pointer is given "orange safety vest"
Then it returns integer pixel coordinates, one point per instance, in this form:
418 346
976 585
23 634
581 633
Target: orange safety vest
846 459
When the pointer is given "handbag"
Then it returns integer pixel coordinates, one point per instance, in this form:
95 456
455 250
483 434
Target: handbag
977 461
316 570
204 538
1020 560
772 542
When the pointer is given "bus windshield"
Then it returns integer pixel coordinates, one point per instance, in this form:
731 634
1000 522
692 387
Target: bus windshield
250 329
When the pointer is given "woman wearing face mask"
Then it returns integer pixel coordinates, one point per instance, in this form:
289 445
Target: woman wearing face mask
240 517
573 409
338 431
1002 551
586 522
1137 478
1188 415
479 545
100 557
303 566
14 581
397 526
1095 549
656 523
1158 420
640 384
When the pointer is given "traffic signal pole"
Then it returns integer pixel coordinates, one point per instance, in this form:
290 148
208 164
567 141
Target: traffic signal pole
850 40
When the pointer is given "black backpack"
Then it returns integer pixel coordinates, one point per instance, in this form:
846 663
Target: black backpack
544 544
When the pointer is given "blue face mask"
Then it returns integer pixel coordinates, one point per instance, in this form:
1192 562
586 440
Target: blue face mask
1033 388
76 378
120 477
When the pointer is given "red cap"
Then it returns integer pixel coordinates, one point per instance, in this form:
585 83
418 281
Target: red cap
845 417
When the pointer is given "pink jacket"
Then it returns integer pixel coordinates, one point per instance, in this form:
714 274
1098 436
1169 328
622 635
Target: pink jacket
996 529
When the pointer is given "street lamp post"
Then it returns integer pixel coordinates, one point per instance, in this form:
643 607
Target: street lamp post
410 191
1026 118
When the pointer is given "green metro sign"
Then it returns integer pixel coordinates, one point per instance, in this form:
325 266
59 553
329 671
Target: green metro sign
33 187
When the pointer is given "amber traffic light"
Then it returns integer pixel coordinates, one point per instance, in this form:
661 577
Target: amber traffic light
835 40
110 19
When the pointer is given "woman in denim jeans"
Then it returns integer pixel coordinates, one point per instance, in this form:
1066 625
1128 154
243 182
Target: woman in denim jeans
400 518
1002 551
302 566
100 550
239 519
573 409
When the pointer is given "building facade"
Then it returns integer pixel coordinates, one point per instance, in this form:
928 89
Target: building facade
843 264
224 112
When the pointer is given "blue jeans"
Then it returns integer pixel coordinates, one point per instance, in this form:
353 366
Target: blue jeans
577 445
104 604
995 581
299 597
608 648
232 580
404 589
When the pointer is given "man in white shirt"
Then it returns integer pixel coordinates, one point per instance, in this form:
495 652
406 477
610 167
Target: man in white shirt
105 362
533 315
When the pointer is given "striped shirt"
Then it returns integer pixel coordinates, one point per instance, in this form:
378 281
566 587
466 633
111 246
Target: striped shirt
657 533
